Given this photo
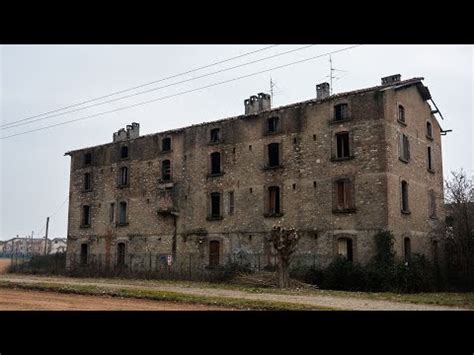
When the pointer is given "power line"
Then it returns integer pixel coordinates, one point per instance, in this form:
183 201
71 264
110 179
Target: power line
180 93
155 89
142 85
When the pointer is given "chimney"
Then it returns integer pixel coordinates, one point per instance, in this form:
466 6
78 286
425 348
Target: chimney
391 79
322 91
258 103
133 131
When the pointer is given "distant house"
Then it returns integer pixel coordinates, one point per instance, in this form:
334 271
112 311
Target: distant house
57 245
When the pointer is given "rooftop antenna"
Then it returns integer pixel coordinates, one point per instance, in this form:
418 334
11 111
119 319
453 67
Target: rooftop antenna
331 75
272 85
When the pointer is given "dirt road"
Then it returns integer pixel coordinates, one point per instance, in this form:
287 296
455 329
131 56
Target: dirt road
14 300
4 263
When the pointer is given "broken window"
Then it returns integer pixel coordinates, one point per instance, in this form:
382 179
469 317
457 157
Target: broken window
429 130
215 163
344 194
84 252
166 170
342 145
404 187
87 159
87 182
430 163
166 144
124 176
273 154
231 202
274 200
401 113
215 204
123 213
215 135
124 152
121 254
341 112
86 215
273 124
432 202
407 249
112 212
214 247
344 248
404 148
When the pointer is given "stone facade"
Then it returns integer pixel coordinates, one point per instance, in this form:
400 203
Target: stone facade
175 217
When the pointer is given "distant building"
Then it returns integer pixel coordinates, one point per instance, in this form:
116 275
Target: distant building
58 245
31 246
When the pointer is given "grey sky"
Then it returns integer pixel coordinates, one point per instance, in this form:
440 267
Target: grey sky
34 179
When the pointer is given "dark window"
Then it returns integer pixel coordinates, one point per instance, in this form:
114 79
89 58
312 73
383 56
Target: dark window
273 200
344 248
342 142
273 154
215 163
341 112
404 148
84 252
112 212
273 124
87 159
429 129
124 176
166 170
87 181
86 215
405 196
432 204
430 163
214 247
124 152
123 213
344 194
231 202
166 144
407 249
215 204
401 113
215 135
121 254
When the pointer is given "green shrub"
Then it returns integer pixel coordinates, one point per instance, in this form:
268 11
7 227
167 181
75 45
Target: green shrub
51 264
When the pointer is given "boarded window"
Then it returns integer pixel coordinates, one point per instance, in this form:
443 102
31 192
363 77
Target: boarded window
215 135
215 163
273 200
124 152
166 170
430 163
124 176
231 202
87 182
401 113
214 248
273 124
344 194
344 248
404 146
432 202
121 254
84 254
342 145
273 154
166 144
87 159
341 112
215 204
407 248
404 188
123 213
86 215
429 129
112 212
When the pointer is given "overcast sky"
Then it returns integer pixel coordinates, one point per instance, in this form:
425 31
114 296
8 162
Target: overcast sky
34 179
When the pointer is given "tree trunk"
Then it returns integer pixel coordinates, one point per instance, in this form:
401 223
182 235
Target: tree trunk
283 273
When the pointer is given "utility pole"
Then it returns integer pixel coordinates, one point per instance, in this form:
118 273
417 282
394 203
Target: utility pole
30 248
46 237
330 75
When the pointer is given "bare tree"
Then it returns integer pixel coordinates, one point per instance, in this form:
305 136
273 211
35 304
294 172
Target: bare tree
284 241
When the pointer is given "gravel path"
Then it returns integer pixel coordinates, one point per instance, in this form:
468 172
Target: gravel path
344 303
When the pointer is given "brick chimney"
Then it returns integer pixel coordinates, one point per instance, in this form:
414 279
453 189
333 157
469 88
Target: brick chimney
322 90
133 131
391 79
257 103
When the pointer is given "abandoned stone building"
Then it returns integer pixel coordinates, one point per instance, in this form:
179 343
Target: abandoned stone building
339 168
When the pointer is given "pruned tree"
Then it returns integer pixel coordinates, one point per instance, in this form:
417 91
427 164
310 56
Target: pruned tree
284 241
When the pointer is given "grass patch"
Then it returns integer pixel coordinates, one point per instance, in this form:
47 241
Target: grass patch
161 296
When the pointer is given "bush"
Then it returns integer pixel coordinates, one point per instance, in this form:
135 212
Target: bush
223 273
51 264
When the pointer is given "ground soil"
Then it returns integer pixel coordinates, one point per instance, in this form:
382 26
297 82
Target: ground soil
4 263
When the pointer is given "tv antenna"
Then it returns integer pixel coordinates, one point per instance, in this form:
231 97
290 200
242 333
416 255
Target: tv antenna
331 75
